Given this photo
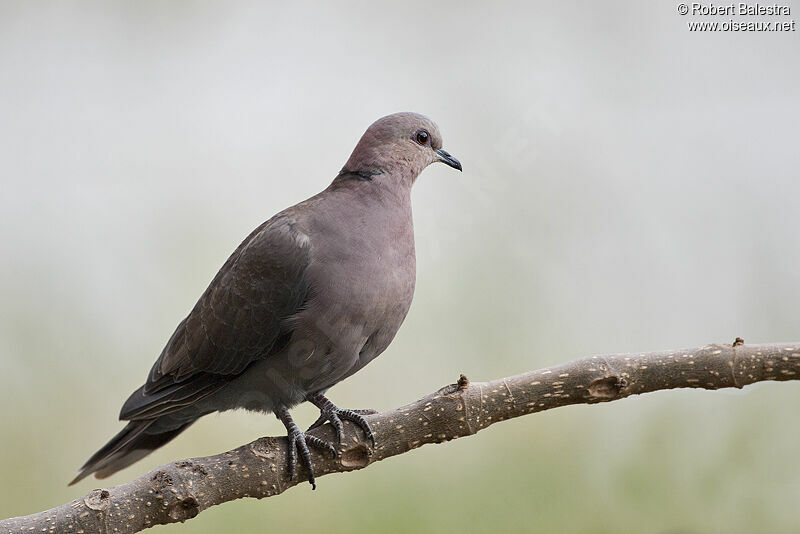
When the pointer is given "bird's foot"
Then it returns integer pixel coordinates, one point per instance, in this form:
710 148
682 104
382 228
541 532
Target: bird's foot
299 442
330 413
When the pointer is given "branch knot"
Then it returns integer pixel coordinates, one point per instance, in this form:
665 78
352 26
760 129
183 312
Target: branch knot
607 388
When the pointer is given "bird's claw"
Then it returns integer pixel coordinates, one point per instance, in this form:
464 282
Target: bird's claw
298 442
365 411
334 415
298 445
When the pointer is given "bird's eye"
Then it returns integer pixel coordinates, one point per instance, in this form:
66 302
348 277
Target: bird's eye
422 137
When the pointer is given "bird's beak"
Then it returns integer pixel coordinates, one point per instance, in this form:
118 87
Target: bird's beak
447 159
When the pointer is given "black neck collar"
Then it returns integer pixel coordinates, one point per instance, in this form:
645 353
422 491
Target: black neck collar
364 176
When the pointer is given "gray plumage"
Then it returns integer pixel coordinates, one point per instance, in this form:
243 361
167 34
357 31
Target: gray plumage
309 298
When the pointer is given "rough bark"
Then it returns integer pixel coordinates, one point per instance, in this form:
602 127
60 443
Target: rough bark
180 490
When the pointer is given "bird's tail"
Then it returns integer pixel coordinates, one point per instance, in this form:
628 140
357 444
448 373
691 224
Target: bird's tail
133 443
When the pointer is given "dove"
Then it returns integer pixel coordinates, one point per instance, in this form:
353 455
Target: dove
310 297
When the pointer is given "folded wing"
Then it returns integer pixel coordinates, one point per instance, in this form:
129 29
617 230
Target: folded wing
240 318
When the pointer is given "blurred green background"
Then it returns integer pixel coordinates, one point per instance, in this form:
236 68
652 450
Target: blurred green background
628 186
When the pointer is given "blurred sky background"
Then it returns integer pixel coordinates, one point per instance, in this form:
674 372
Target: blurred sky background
628 186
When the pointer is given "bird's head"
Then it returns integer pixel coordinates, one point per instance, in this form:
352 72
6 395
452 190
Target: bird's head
402 144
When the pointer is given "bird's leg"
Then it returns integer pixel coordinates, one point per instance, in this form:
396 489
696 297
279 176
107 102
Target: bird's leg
329 412
299 442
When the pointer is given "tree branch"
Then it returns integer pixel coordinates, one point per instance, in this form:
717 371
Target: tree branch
180 490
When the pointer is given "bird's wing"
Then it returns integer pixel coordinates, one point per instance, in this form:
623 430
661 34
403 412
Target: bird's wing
240 318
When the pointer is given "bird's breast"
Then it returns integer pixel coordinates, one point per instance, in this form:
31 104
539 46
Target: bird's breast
362 275
369 281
